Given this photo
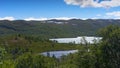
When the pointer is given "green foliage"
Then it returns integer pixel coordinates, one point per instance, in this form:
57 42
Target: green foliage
110 47
29 61
21 51
44 29
105 54
2 55
8 63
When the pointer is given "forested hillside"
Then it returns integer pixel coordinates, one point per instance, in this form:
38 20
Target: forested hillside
55 28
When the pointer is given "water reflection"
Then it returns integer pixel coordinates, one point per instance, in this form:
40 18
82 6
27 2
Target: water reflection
58 54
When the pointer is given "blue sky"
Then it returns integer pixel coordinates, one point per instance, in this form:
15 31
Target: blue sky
31 9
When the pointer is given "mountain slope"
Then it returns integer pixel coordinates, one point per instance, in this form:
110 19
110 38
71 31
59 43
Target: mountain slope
55 28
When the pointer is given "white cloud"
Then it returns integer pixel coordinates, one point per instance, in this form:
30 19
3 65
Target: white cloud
64 18
117 18
7 18
94 3
95 18
83 18
115 14
41 19
37 19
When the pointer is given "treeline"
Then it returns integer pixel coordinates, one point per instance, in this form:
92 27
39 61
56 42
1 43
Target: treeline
105 54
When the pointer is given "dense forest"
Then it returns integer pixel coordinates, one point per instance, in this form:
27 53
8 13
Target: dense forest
22 51
55 28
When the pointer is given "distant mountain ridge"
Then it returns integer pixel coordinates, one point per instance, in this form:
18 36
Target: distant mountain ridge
55 28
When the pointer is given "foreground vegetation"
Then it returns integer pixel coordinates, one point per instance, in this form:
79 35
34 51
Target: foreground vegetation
22 51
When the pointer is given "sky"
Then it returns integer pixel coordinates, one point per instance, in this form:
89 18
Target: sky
59 9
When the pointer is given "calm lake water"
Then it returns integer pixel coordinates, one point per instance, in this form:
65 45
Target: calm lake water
58 54
78 40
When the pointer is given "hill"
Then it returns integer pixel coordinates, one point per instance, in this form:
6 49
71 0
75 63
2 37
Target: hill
55 28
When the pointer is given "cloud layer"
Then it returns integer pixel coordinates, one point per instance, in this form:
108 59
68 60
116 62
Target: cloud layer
41 19
115 14
7 18
94 3
37 19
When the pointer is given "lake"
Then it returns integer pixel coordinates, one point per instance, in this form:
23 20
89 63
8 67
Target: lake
58 54
78 40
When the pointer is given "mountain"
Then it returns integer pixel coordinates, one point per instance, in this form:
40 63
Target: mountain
55 28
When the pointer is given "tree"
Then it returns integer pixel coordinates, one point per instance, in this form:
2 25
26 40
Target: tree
2 55
84 57
24 61
110 46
